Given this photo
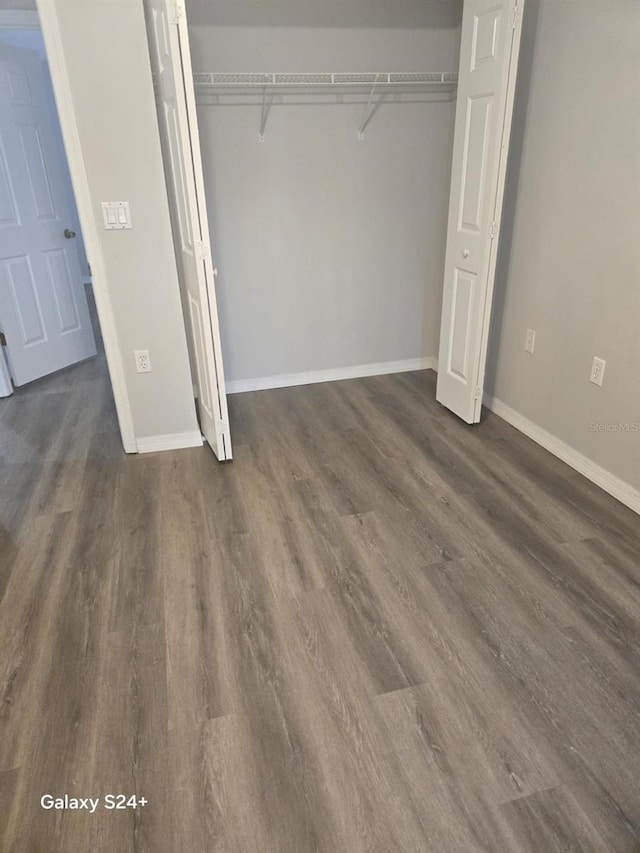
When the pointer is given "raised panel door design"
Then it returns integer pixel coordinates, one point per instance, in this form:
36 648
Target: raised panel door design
474 164
35 163
62 290
26 301
486 31
463 293
161 42
180 190
19 89
8 208
202 365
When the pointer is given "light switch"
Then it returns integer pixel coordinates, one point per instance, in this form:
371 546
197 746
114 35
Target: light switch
116 215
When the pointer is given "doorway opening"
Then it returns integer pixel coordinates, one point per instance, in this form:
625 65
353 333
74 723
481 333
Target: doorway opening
51 336
320 225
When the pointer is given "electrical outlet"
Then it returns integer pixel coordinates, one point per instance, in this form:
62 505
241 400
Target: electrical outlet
530 340
597 370
143 362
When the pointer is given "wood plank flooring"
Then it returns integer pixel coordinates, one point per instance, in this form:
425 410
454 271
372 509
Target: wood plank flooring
377 629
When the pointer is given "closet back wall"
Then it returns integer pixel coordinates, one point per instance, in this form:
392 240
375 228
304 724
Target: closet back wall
330 250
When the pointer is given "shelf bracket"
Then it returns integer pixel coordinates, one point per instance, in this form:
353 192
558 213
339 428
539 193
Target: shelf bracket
369 110
267 100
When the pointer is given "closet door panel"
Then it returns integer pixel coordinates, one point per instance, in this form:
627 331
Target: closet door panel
486 84
171 65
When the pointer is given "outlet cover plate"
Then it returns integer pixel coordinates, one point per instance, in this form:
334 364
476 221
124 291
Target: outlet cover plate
143 362
597 370
530 341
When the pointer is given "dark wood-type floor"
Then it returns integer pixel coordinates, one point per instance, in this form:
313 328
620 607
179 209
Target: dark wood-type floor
376 630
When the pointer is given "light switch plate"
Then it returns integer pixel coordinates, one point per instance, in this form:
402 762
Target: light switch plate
116 215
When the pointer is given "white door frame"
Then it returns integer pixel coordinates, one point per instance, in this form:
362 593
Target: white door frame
46 20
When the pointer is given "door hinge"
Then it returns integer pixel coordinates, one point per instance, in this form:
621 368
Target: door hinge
179 11
222 427
493 230
3 340
202 250
478 393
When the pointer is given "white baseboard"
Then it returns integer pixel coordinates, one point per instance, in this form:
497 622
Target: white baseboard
173 441
287 380
617 488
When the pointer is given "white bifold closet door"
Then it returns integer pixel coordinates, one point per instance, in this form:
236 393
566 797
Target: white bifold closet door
171 64
486 84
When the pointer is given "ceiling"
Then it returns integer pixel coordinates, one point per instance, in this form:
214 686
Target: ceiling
326 13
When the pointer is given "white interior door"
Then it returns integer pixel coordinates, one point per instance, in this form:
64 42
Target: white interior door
43 304
171 64
486 84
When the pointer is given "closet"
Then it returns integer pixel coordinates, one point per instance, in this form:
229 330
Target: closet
343 164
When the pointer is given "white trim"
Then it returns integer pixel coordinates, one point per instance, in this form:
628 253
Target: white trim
73 147
173 441
617 488
19 19
286 380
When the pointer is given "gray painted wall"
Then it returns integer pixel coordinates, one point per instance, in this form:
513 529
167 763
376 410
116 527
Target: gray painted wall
110 76
330 250
569 264
330 14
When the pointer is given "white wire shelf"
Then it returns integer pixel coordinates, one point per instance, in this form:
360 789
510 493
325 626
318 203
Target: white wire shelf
214 88
209 80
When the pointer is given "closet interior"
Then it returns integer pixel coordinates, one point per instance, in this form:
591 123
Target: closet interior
326 140
353 213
